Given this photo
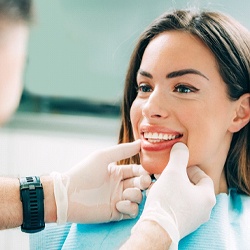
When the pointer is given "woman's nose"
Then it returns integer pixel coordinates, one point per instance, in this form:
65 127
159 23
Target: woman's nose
156 106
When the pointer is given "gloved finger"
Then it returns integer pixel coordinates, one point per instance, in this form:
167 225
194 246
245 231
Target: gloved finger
119 152
127 208
132 170
132 194
195 174
142 182
179 155
127 217
199 177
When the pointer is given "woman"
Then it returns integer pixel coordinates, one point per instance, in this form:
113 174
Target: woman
228 47
189 81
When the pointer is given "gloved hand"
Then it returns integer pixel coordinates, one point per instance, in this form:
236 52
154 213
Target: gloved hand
177 204
97 191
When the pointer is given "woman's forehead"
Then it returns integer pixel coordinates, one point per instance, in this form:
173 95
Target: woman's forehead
177 49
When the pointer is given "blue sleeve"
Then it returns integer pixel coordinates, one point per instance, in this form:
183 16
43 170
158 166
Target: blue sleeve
84 236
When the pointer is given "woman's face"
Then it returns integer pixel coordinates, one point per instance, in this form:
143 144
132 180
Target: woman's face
182 98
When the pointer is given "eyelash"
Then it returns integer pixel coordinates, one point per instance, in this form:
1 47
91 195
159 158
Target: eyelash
143 86
185 89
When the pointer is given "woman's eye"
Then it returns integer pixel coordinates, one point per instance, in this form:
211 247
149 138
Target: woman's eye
144 88
184 89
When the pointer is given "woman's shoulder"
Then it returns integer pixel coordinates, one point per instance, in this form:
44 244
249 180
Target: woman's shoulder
227 225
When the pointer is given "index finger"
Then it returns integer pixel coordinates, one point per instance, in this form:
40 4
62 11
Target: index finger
120 151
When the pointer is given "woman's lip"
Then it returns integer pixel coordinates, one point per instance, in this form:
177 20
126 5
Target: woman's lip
158 146
157 129
149 144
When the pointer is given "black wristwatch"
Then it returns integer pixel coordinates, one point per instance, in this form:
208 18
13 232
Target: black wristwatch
31 192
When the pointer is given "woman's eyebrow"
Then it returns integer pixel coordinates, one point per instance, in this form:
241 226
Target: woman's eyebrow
184 72
174 73
144 73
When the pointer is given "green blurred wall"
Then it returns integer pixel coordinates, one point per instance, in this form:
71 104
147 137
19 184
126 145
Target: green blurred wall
81 48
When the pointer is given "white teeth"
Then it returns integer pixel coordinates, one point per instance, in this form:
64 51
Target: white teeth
157 137
165 137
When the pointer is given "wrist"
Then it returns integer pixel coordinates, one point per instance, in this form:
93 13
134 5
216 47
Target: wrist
16 203
147 234
50 214
165 218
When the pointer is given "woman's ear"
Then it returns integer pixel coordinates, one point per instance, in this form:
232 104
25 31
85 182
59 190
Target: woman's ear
242 113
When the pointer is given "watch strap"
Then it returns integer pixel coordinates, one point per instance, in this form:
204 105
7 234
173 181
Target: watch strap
32 197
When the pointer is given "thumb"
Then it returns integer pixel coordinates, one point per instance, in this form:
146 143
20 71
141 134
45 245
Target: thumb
121 151
179 155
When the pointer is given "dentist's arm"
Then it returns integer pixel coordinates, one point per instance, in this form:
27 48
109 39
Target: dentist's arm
11 206
93 191
11 210
177 204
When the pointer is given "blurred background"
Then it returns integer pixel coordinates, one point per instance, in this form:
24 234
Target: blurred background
73 82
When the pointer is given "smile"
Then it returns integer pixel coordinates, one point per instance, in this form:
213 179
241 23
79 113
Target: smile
159 137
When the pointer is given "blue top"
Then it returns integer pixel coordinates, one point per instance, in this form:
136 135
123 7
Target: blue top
227 229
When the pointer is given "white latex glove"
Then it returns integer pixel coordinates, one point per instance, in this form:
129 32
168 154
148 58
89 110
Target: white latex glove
177 204
97 191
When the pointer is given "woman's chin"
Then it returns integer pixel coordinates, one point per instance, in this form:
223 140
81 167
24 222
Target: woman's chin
152 169
153 165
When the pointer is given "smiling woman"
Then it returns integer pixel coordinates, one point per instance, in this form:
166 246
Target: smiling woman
189 81
197 90
182 85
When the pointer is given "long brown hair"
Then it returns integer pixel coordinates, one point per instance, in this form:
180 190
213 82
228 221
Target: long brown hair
229 41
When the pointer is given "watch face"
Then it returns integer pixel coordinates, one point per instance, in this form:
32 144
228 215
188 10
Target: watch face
32 197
